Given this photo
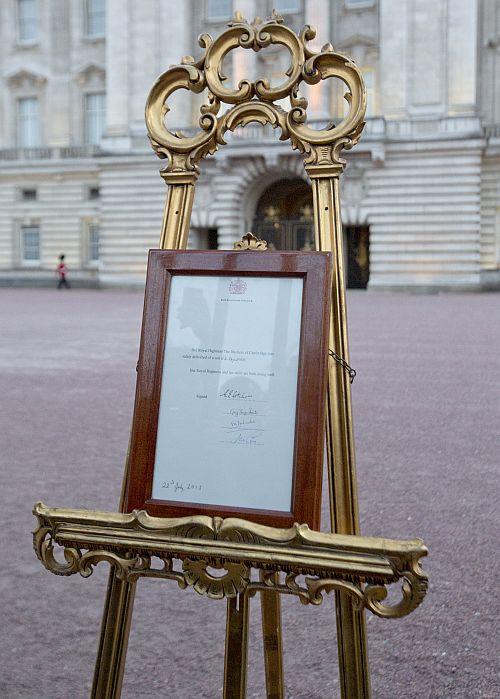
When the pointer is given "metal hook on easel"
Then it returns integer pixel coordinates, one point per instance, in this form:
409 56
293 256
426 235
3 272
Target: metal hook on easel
343 363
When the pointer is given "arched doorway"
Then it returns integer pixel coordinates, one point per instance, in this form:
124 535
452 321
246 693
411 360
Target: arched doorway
357 254
284 217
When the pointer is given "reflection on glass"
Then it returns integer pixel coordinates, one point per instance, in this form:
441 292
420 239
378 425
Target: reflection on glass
227 411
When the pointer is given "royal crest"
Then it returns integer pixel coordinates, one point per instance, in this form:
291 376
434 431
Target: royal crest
237 286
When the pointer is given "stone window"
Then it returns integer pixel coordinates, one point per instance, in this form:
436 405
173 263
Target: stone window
497 236
95 18
218 10
28 122
287 6
27 20
28 194
95 117
93 240
369 79
94 193
30 245
358 4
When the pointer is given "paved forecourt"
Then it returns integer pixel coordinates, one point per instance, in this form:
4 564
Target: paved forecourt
426 412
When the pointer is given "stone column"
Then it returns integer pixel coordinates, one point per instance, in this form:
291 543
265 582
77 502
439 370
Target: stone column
427 64
317 14
245 61
116 135
462 56
393 58
59 94
175 41
143 60
489 56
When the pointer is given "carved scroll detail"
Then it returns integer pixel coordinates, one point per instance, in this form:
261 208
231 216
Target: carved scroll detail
414 589
256 101
250 242
233 581
295 561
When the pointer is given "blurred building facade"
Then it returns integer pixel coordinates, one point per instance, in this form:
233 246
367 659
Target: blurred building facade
420 195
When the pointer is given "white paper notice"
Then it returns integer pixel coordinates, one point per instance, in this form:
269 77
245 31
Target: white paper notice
226 425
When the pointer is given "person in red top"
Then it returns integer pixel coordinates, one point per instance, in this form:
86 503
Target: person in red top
61 271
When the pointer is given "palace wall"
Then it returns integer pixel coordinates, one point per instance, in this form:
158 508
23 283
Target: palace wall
424 177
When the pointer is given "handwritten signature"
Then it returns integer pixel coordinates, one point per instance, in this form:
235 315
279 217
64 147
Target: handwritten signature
233 393
241 424
250 439
245 412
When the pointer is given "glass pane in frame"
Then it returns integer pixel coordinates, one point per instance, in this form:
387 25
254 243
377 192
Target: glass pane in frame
226 424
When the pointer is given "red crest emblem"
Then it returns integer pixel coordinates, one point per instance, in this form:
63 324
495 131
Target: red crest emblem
237 286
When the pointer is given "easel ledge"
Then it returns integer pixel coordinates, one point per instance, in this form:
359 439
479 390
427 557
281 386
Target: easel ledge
187 547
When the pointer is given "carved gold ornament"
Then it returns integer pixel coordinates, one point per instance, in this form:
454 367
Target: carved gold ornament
256 101
250 242
295 561
231 582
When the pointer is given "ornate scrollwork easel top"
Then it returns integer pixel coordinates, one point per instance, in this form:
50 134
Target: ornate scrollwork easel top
363 567
256 101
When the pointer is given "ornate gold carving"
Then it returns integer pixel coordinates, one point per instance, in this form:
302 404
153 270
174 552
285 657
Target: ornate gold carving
414 589
361 567
255 101
250 242
232 582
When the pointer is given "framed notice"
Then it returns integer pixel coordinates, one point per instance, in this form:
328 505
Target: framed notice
230 399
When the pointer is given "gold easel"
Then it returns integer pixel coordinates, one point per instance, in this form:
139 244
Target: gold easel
357 568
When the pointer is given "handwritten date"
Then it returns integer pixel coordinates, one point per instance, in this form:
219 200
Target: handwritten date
178 486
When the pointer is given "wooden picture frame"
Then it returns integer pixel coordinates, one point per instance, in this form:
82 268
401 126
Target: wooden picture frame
234 419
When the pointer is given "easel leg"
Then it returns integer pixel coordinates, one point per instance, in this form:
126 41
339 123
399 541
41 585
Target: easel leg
115 628
236 658
117 614
273 647
351 631
354 670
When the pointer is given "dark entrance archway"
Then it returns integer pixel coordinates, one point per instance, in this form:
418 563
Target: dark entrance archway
357 247
284 217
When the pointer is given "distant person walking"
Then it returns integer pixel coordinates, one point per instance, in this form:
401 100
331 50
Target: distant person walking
62 271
